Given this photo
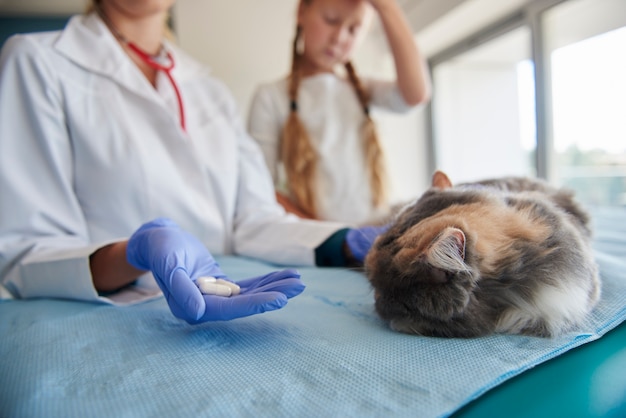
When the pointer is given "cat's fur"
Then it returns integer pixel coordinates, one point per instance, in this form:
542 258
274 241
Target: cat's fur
507 255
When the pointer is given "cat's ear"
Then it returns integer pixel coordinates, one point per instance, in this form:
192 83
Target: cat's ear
441 180
447 251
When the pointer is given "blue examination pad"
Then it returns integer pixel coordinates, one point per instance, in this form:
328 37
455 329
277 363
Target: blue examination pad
325 354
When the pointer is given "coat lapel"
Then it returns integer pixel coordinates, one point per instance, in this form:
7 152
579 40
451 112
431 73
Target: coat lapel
87 41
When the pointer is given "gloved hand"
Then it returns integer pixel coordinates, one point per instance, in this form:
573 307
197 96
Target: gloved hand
360 240
177 259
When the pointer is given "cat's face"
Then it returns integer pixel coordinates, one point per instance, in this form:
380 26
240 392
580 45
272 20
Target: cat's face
430 270
423 281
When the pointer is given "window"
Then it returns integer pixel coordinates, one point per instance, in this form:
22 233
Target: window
484 110
586 61
492 117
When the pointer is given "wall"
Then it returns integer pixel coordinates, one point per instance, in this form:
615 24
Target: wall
243 41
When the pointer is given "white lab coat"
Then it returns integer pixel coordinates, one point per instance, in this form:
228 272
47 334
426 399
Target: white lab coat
89 151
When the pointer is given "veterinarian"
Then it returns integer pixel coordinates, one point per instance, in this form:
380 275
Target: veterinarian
315 126
122 161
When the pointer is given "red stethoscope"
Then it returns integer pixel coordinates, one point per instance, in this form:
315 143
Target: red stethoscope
153 62
156 62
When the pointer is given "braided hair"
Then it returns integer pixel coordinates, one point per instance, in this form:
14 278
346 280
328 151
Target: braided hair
373 151
300 158
296 151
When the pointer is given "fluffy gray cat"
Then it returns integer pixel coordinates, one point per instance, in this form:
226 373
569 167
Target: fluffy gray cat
508 255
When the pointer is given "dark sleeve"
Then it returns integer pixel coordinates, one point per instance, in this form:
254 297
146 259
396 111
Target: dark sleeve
334 252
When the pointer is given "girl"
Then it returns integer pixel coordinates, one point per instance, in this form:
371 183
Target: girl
315 127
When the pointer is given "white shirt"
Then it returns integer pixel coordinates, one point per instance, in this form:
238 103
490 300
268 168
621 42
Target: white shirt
90 150
333 116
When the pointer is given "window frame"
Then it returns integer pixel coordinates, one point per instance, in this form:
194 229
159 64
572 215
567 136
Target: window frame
529 15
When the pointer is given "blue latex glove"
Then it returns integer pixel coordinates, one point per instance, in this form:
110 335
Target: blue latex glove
176 259
360 240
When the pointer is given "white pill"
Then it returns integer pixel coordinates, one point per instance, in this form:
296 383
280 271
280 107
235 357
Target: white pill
206 279
234 288
209 286
214 289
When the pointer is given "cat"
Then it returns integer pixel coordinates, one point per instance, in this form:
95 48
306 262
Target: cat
509 255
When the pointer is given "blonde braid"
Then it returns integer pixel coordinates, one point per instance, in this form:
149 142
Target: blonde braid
297 153
373 151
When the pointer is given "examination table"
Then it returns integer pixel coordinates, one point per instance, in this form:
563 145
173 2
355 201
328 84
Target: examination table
326 354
